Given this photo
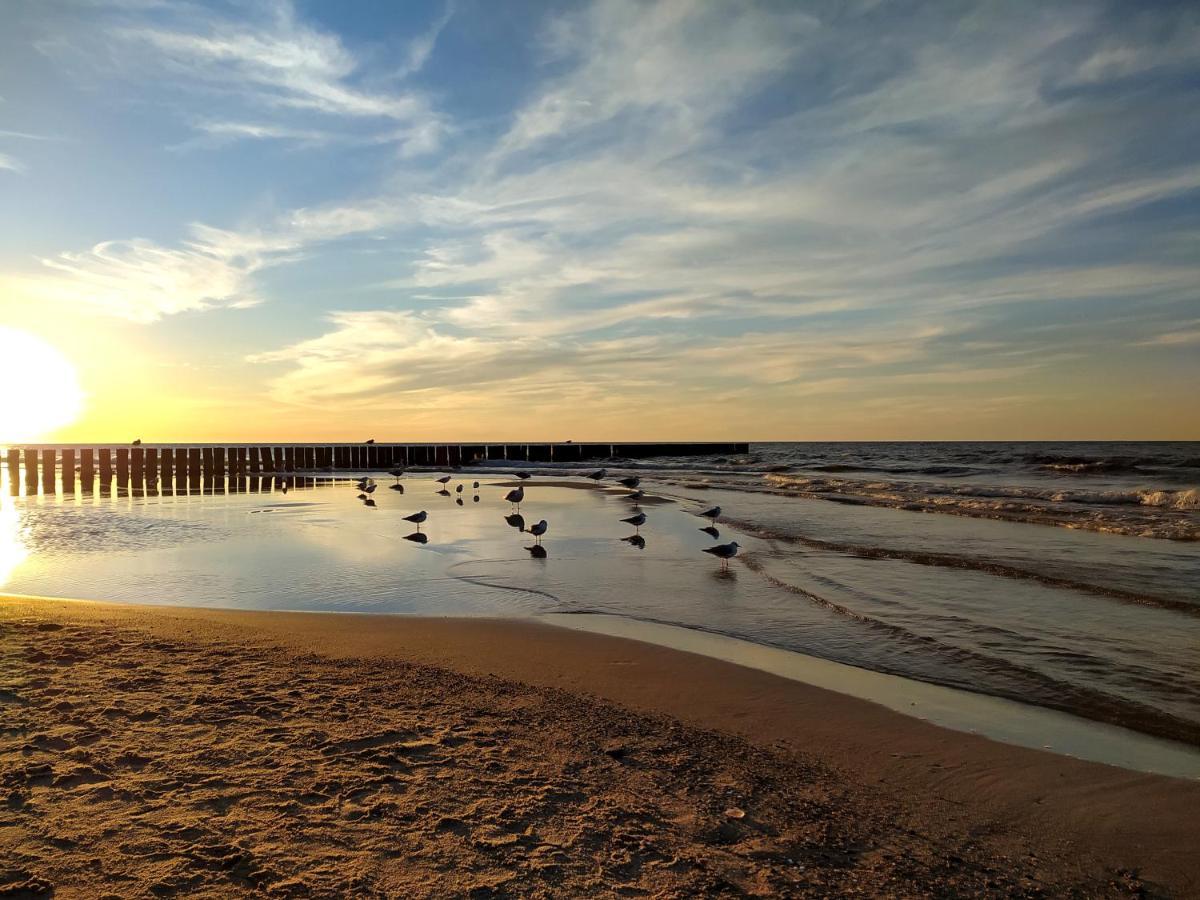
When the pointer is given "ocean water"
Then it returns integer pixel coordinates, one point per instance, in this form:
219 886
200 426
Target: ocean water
1061 575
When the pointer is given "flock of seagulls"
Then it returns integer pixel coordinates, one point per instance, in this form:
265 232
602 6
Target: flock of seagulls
724 552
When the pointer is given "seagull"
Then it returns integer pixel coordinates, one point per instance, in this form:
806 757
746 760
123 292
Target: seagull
637 521
630 481
137 442
370 488
458 489
516 495
523 475
475 485
369 441
538 530
445 479
714 513
418 518
723 552
635 496
597 475
396 473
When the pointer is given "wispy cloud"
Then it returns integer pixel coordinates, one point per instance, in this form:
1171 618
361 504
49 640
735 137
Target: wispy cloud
11 165
272 64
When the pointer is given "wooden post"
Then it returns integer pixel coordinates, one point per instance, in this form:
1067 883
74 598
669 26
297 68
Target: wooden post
195 459
14 466
206 456
49 464
122 467
289 459
254 464
137 458
68 471
87 468
166 470
219 461
105 466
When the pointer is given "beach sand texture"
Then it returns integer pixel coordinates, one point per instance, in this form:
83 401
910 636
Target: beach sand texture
176 752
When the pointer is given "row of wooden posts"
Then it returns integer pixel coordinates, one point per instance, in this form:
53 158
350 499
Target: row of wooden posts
152 463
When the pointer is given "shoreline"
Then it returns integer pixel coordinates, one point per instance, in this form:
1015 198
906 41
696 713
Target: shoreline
1086 821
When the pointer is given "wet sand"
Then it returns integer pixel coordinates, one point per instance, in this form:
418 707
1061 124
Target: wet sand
155 751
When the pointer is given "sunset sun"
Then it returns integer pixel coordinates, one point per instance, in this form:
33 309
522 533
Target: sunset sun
41 388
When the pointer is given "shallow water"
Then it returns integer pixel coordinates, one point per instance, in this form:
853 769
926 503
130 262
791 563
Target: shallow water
1099 624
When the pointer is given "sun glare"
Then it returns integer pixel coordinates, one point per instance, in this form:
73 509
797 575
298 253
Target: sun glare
41 390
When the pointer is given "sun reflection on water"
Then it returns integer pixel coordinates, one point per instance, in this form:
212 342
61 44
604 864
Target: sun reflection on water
13 551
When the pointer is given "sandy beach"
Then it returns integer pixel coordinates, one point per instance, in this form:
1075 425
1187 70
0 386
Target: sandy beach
171 751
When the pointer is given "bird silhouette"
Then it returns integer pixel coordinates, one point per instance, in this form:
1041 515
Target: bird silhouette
445 479
598 475
418 518
637 520
630 481
516 495
458 489
724 552
538 529
523 475
713 513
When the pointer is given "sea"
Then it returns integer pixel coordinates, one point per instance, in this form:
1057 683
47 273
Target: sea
1059 575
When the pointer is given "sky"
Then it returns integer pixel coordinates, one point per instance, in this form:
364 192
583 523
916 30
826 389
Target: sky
606 220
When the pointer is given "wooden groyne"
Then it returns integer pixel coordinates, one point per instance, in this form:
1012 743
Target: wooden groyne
143 464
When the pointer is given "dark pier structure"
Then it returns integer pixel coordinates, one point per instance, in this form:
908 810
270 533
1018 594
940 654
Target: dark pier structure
151 466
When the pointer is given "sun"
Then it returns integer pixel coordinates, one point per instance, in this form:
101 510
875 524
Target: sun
39 390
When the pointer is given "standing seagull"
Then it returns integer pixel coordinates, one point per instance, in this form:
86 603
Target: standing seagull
418 518
714 513
458 489
598 475
444 480
523 475
538 530
630 481
635 496
636 521
724 552
397 472
516 495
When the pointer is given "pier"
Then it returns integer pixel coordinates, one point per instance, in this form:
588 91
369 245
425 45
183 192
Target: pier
194 466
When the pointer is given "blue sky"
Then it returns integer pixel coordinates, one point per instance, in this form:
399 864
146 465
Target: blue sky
609 219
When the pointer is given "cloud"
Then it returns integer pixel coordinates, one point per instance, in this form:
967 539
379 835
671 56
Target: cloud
143 281
271 64
9 164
